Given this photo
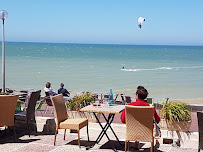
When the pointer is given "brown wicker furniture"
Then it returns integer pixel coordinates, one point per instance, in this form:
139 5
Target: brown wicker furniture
28 116
23 96
128 99
62 121
200 126
111 110
7 111
49 103
139 124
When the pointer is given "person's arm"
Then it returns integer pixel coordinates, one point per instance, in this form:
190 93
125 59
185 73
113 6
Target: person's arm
52 92
123 116
156 116
123 113
66 91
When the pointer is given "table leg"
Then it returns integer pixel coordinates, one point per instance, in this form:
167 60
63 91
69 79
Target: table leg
101 127
111 127
108 123
105 128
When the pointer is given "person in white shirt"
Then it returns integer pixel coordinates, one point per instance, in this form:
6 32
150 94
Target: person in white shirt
48 89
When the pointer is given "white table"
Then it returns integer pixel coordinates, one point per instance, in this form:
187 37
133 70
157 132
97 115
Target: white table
111 110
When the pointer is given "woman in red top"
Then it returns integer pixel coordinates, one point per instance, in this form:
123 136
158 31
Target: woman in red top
141 95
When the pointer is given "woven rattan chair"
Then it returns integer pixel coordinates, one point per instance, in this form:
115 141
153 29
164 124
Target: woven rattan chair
62 121
128 99
7 111
139 124
49 103
200 126
28 116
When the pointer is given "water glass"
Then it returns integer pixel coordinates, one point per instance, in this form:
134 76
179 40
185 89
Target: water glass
106 103
97 103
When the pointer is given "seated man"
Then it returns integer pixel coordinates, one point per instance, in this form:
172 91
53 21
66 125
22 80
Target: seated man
63 91
141 95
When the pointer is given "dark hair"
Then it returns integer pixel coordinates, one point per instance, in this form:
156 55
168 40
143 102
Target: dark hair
142 92
62 85
48 84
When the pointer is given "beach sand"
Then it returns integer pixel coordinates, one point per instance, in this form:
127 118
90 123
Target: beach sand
191 101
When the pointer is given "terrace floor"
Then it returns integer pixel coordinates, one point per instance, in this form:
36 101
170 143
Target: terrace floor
193 127
43 140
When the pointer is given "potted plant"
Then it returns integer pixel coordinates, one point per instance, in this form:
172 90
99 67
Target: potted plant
177 116
77 102
80 101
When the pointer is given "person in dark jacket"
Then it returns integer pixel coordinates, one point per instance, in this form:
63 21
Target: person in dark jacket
63 91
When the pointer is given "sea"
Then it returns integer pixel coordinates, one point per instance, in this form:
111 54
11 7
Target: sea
175 72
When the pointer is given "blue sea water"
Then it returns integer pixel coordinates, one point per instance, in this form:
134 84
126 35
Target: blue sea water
166 71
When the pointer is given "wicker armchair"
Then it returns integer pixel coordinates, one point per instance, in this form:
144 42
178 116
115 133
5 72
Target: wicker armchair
7 111
49 103
139 124
62 121
128 99
200 126
28 116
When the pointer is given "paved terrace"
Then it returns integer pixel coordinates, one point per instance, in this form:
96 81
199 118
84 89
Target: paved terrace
43 140
193 127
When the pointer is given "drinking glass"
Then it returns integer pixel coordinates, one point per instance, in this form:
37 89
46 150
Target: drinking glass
97 103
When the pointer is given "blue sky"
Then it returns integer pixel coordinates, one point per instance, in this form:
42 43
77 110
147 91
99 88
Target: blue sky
168 22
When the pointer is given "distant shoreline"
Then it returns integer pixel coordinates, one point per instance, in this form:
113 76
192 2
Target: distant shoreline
191 101
121 44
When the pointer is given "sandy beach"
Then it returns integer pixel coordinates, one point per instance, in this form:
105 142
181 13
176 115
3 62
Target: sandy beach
192 101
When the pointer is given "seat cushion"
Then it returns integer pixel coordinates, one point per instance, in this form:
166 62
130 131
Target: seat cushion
20 118
20 115
74 124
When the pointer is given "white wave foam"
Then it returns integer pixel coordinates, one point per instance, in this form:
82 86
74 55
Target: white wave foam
163 68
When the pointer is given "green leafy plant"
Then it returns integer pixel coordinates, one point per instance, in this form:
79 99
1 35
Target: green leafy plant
175 110
80 101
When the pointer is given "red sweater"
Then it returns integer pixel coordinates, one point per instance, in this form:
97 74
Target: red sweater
140 102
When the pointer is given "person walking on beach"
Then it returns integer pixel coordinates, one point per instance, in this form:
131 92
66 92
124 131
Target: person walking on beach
141 95
63 91
48 89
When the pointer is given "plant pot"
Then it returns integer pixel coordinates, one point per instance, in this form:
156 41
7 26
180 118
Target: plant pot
162 124
182 126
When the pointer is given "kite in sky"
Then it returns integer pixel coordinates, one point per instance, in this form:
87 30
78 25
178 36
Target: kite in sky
140 21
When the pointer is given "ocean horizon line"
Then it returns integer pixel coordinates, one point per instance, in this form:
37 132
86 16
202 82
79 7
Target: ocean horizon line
116 44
